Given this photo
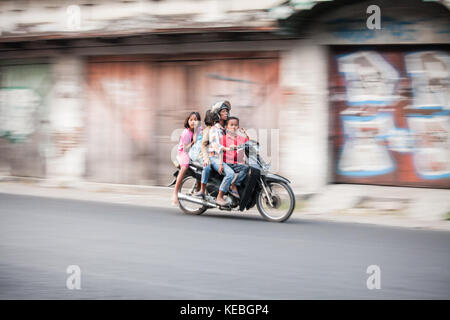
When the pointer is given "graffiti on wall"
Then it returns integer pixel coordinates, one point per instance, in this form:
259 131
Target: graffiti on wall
430 72
379 125
17 108
370 79
431 155
364 152
243 92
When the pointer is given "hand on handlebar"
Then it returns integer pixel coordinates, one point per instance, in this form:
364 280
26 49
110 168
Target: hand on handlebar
233 147
244 132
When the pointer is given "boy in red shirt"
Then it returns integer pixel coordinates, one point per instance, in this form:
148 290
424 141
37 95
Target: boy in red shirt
235 159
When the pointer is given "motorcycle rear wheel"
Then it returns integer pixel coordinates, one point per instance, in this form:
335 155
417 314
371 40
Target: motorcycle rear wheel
188 187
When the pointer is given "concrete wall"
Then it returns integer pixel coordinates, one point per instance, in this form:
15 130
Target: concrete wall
19 18
304 116
24 108
402 22
307 156
65 150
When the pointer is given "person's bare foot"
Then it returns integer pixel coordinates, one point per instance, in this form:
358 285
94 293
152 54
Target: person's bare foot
199 194
221 202
175 200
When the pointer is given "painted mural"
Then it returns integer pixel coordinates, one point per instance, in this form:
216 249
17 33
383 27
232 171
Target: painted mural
370 79
392 117
23 93
17 112
24 102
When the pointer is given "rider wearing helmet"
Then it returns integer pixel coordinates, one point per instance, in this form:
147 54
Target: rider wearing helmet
220 110
219 106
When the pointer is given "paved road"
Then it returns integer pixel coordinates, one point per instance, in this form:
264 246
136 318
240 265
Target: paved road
132 252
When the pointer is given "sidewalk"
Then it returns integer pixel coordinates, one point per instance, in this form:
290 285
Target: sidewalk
388 206
150 196
392 206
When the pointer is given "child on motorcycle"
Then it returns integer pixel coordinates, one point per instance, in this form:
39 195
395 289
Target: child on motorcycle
220 111
204 156
187 140
235 158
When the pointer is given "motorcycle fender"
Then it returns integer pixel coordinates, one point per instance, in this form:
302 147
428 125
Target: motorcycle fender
248 194
276 178
175 174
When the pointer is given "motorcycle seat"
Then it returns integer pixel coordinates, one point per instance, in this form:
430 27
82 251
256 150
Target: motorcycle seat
196 164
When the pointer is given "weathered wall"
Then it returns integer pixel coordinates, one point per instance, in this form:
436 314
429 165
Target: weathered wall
304 116
154 81
24 18
137 106
402 22
42 118
309 112
389 104
24 108
65 150
121 121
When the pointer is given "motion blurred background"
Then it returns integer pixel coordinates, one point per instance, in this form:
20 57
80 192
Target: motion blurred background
97 90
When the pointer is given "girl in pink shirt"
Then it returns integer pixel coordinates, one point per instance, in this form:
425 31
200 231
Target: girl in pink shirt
187 140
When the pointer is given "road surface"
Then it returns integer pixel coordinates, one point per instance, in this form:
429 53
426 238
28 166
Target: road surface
133 252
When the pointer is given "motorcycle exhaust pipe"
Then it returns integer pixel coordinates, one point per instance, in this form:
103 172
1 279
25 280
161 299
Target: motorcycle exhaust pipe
196 200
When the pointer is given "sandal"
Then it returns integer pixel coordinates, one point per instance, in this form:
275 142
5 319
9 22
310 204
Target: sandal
199 195
221 204
235 193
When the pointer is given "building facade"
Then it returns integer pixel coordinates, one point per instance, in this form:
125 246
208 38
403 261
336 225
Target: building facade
98 90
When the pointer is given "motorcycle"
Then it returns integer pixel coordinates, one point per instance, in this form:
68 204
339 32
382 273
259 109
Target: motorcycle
271 193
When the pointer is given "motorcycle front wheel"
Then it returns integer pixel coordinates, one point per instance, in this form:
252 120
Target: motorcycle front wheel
283 202
188 187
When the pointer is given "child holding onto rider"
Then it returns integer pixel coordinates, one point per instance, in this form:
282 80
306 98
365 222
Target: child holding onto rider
204 156
187 139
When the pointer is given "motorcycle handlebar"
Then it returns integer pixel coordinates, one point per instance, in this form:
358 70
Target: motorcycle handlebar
242 146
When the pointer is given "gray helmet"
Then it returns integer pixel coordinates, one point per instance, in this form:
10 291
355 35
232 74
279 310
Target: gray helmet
217 107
